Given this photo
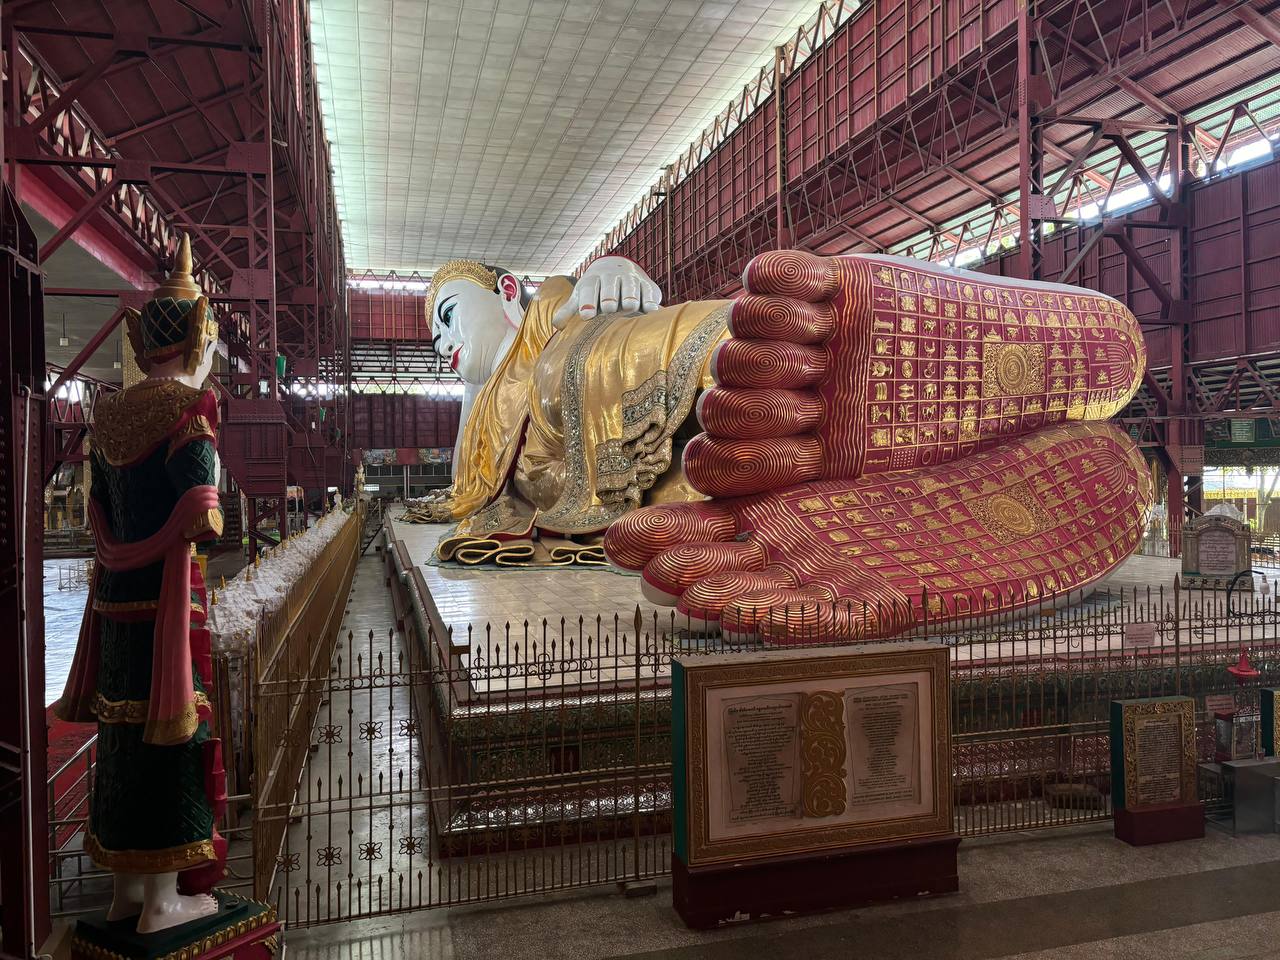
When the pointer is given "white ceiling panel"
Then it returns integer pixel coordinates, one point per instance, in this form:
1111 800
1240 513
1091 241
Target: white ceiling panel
519 131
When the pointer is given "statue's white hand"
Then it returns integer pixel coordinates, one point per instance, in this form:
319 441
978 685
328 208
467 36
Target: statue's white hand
610 285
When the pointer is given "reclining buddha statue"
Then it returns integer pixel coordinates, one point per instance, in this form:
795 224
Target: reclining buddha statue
881 439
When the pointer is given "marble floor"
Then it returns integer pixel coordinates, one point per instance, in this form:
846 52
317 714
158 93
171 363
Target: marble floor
490 598
490 609
1073 894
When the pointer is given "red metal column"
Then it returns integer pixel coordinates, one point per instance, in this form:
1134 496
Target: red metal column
1031 199
780 232
1179 271
24 866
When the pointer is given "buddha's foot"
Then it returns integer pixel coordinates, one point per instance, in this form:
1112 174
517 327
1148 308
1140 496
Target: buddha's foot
854 559
840 367
126 896
163 907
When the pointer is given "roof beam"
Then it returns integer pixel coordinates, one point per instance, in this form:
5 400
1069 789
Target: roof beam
1257 22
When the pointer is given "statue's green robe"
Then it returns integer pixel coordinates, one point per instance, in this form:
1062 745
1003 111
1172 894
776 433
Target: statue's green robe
152 806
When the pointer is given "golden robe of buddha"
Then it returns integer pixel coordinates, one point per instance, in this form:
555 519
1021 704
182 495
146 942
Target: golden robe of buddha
576 426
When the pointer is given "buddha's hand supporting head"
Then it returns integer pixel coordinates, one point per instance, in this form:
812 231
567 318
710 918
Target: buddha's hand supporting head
610 285
475 310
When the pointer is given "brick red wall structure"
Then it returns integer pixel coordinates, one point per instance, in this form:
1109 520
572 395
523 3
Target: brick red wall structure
388 315
384 421
1233 276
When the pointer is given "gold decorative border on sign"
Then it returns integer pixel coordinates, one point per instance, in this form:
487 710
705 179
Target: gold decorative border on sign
1185 708
701 678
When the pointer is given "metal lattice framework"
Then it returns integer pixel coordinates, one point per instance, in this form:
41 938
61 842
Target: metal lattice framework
142 119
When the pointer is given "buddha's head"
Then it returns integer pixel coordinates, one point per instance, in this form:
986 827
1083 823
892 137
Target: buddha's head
475 310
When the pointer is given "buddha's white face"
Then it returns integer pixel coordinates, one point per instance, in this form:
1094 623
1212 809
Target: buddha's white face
471 326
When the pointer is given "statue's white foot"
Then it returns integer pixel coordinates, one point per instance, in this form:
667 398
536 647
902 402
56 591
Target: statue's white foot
831 521
164 907
180 910
126 897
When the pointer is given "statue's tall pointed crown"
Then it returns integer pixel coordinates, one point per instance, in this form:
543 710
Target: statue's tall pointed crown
176 320
180 285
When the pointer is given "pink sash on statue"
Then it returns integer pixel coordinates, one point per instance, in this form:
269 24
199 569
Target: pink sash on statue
171 712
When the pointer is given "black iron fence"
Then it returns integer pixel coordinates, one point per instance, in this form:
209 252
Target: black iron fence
446 767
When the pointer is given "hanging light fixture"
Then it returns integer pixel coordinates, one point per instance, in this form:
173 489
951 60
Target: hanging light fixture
118 362
64 340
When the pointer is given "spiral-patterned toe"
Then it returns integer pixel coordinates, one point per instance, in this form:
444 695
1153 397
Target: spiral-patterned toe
792 273
637 537
750 414
747 612
767 363
734 468
739 596
673 571
781 318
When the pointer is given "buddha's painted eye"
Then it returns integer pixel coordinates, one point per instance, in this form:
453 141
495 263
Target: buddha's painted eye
445 311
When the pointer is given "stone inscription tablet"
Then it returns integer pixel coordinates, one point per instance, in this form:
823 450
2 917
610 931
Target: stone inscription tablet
882 724
762 747
1217 553
1158 760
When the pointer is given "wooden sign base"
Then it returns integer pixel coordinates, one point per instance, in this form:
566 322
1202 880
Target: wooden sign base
708 896
1164 824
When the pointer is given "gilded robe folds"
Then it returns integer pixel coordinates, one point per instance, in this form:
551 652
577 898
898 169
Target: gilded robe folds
576 427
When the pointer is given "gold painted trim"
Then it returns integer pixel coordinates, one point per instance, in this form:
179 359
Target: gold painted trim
133 711
210 521
471 270
196 428
1185 710
165 860
174 731
128 424
206 944
133 606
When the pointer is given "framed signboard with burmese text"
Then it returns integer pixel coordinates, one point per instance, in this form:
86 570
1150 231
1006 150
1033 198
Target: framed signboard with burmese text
1153 770
837 756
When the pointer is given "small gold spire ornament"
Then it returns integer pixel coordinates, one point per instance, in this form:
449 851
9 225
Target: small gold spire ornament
180 284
